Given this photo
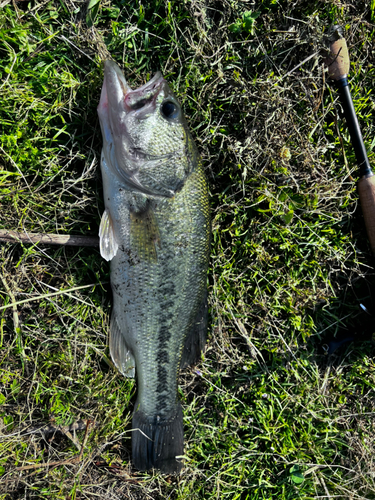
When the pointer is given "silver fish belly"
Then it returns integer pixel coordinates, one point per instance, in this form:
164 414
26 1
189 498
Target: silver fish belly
155 231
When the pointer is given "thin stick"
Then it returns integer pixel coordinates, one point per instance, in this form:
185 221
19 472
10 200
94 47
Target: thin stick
299 65
85 438
14 164
46 295
78 425
69 461
50 239
16 319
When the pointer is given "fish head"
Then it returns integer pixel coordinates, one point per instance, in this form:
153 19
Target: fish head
146 141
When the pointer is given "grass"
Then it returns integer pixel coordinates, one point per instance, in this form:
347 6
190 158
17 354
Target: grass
267 414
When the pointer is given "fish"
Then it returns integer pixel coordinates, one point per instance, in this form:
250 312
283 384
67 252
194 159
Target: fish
155 231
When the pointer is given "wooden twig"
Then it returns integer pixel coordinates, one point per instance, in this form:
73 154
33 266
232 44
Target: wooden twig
49 239
85 438
69 461
117 470
16 319
47 430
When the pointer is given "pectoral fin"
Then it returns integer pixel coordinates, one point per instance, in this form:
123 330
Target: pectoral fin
120 354
144 233
108 243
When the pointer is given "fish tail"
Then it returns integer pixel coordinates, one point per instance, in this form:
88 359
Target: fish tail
156 442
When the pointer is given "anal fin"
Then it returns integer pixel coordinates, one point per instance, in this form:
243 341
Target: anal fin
196 338
108 243
121 355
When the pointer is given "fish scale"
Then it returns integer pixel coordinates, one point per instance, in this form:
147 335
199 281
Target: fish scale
156 233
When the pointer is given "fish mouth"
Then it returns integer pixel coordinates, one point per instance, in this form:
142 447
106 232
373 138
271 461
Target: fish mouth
117 94
145 95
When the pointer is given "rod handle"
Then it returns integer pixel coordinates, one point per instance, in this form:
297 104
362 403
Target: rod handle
338 61
366 191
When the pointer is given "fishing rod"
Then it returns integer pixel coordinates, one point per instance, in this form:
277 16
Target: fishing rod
338 69
338 64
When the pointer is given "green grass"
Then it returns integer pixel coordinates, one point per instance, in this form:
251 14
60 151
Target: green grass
267 414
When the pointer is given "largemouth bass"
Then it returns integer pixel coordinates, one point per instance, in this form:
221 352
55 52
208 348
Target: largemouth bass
155 231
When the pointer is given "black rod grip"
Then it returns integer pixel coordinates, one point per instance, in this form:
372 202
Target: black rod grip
353 126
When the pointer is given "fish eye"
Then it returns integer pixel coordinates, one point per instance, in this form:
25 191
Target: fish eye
169 109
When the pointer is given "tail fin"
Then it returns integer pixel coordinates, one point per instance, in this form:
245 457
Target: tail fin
155 444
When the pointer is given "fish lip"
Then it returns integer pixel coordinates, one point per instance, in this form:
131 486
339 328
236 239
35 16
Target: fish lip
145 96
116 90
114 77
154 80
110 68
